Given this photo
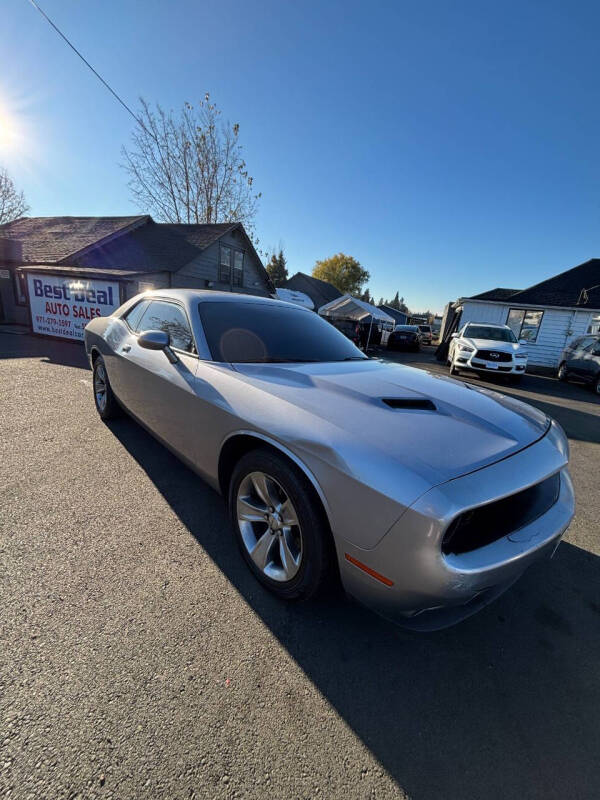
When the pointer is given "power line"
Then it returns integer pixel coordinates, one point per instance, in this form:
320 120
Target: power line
87 63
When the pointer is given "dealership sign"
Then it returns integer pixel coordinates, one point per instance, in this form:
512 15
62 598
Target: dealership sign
64 306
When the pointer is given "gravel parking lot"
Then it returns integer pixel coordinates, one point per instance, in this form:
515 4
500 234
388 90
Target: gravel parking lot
139 658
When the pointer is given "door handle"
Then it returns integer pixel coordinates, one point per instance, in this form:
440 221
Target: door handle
126 348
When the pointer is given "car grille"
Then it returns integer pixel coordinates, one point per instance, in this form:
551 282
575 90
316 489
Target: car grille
488 523
493 355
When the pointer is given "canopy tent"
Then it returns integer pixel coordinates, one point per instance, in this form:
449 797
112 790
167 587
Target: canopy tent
348 307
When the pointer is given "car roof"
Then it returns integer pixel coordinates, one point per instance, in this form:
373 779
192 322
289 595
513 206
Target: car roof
188 296
489 325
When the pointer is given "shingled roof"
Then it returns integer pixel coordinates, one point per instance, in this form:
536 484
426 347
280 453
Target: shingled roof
47 240
125 243
578 286
495 294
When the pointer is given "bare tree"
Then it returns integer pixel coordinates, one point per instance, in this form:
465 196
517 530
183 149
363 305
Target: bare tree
12 202
188 167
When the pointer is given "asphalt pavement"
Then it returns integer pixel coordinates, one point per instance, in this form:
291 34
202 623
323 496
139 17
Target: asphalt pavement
139 658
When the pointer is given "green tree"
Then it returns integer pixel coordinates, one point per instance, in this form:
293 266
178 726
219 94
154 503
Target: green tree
397 302
366 296
344 272
277 268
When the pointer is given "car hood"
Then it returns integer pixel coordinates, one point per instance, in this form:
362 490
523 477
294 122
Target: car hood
490 344
460 429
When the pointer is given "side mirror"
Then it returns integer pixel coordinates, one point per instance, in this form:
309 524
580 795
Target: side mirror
157 340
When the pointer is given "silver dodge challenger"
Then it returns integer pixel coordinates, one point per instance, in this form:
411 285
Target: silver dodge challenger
428 497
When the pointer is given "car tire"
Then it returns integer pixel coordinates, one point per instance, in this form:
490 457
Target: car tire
596 386
306 546
562 374
453 370
104 398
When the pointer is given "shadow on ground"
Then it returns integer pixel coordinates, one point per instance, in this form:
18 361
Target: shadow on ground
504 705
54 351
579 425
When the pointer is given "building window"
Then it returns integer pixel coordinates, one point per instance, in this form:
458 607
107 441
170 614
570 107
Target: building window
231 266
525 324
594 324
225 265
20 285
238 268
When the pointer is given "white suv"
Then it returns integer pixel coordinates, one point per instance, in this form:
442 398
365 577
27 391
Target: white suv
484 347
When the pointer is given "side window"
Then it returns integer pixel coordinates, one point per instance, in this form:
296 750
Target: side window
134 315
581 344
170 318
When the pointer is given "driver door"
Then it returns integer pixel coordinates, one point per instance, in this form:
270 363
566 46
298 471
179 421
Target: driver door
162 395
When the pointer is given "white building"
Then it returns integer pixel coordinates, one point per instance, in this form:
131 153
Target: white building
547 315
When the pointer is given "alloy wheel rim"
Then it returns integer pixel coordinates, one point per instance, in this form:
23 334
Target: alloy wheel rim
100 386
269 526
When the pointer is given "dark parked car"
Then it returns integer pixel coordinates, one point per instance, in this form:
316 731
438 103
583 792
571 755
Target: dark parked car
405 337
581 360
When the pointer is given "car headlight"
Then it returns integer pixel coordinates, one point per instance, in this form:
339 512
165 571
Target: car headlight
465 348
559 439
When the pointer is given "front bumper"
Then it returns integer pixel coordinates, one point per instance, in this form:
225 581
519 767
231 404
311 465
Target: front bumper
431 590
464 360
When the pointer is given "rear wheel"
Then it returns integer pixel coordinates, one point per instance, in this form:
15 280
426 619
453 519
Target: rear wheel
279 525
563 375
106 402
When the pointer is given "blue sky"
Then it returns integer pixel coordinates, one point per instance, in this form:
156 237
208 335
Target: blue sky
449 146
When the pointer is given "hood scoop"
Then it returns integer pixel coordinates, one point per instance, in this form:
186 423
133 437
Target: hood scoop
410 403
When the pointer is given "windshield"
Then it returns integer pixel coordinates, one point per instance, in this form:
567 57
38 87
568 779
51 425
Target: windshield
412 328
425 328
264 333
488 332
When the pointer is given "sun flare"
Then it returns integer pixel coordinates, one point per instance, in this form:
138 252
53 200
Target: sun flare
15 130
9 134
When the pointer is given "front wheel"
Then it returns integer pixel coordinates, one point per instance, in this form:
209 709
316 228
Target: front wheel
279 526
563 375
104 398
